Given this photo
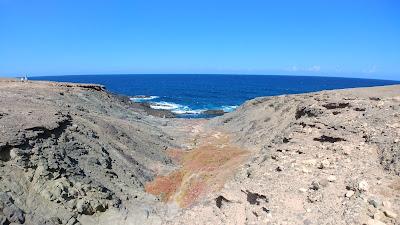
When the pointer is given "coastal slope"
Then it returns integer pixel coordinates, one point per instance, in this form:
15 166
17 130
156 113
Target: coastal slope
77 154
69 150
331 157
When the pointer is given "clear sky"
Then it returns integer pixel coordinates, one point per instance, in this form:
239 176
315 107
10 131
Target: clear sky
358 38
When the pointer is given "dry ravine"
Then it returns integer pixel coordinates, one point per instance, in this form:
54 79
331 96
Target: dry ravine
76 154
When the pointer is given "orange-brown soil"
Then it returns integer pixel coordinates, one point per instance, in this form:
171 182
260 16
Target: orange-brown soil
204 169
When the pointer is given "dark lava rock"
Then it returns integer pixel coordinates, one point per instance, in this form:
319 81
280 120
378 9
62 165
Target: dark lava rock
255 198
219 200
214 112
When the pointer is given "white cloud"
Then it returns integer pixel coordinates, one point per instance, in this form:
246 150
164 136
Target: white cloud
314 68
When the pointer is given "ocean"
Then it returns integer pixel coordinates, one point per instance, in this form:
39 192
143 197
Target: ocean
188 95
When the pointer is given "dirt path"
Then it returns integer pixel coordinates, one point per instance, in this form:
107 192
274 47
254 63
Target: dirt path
205 167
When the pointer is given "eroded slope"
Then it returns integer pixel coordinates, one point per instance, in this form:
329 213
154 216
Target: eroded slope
321 158
69 150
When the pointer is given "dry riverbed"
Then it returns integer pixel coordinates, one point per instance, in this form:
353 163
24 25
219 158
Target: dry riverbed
204 168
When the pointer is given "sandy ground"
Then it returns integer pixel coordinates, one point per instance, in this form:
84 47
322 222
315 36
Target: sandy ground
205 167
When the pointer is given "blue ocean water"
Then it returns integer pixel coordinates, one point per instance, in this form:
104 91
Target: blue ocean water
189 94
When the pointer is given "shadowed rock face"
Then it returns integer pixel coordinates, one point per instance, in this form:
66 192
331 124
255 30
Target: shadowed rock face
69 150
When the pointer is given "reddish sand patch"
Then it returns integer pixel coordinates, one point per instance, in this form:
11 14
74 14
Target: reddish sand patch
165 186
204 169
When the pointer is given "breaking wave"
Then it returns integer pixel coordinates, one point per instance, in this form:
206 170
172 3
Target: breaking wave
229 108
175 108
143 98
178 108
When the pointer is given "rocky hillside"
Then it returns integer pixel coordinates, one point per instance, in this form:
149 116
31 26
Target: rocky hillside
68 150
76 154
322 158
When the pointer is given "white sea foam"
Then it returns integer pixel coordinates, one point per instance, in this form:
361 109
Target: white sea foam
165 105
175 108
183 109
229 108
143 98
186 111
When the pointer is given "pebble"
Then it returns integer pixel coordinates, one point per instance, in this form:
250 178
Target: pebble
331 178
315 196
374 202
387 204
72 221
346 151
74 127
82 206
363 185
324 182
378 215
306 170
13 153
315 185
324 164
349 193
302 190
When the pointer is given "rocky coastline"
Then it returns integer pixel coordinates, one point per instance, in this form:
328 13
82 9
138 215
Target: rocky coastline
76 154
139 101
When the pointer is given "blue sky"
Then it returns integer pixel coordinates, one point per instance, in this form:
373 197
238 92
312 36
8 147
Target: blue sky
357 38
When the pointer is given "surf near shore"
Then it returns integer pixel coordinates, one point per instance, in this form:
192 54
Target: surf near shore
181 111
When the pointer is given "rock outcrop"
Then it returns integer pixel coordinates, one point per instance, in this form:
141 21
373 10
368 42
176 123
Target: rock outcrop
69 150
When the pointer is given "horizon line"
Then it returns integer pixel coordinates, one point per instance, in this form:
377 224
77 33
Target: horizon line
220 74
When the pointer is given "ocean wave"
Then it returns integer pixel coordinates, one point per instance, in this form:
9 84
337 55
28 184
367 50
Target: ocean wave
143 98
175 108
186 110
198 111
166 105
229 108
